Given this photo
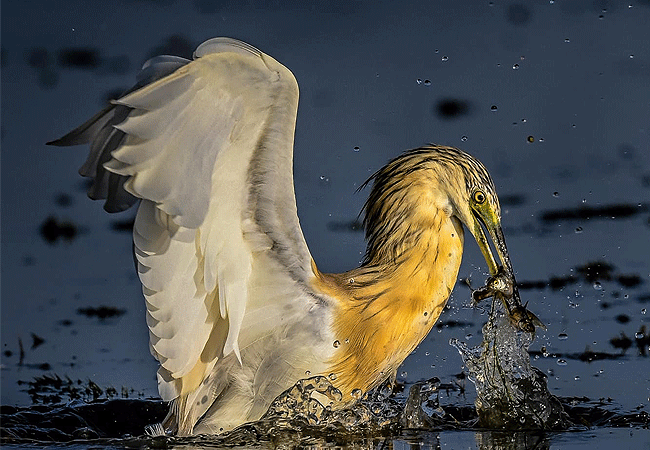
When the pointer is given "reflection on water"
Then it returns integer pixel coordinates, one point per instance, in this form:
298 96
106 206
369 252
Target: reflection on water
304 416
511 394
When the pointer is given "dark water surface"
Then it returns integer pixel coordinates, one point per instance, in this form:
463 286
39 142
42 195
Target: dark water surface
551 95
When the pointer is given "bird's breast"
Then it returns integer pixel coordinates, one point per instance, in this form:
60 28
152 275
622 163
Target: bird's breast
382 313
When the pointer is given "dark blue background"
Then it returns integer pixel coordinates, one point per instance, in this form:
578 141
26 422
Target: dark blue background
378 75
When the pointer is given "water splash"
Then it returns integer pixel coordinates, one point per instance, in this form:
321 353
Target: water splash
315 403
511 393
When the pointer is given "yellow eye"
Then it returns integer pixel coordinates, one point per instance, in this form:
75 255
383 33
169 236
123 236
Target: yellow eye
479 197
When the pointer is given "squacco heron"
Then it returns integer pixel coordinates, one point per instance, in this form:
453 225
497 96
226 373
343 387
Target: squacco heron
237 309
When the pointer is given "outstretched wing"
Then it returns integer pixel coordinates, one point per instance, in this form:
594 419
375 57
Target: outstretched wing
207 146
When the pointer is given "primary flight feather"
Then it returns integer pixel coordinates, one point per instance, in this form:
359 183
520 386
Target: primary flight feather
236 308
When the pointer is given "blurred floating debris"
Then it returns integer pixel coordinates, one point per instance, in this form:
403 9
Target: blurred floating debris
40 59
123 226
52 229
352 225
39 366
629 280
63 200
593 212
451 108
36 341
102 312
593 273
512 200
453 324
79 58
622 318
518 14
596 271
558 283
621 342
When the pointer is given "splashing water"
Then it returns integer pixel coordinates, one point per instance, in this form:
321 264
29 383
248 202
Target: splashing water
511 393
315 402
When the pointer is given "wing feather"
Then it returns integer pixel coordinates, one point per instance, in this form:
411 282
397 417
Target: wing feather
207 147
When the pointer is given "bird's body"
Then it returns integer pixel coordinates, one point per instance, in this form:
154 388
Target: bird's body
236 307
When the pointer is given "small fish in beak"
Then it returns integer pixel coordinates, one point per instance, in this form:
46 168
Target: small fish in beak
502 286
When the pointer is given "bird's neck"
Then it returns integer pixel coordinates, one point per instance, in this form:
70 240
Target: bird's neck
388 305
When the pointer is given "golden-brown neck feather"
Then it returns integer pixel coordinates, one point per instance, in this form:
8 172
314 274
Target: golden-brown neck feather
386 307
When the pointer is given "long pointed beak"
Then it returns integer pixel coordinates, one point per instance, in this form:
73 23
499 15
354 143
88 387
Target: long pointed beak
499 242
519 315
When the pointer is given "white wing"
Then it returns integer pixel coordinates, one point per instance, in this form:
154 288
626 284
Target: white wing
207 145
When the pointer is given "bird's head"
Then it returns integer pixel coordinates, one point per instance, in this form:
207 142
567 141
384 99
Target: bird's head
440 178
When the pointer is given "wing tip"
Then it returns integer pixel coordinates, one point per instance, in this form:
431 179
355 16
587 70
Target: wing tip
225 44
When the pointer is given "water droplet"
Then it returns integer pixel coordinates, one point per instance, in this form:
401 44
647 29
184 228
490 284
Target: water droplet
332 376
601 17
567 40
524 120
578 230
597 286
308 372
573 125
463 138
426 313
493 108
336 344
639 335
541 139
347 341
631 56
556 194
427 82
577 378
643 311
469 336
426 353
562 336
356 393
515 66
403 374
356 149
445 58
418 81
530 139
561 362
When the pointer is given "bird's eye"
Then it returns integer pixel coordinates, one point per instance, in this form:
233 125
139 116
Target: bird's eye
479 197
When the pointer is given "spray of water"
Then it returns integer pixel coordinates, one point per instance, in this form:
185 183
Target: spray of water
511 393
